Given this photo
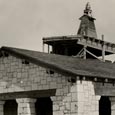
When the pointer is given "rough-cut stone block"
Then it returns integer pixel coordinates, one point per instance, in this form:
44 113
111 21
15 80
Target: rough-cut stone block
58 113
68 106
80 88
74 96
80 97
73 88
74 107
56 107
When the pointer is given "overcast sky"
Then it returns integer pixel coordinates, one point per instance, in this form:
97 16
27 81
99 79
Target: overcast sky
23 23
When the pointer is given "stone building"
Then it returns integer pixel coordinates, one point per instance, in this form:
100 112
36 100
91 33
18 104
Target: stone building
79 83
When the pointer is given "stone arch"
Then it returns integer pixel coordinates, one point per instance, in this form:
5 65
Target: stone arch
104 106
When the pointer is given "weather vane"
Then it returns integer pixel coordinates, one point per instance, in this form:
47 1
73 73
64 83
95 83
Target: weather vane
88 10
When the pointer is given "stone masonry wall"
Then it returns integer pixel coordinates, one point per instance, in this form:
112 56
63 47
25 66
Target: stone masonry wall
81 100
88 101
15 76
71 98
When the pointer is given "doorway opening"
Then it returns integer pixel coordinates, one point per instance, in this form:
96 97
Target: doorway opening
10 107
104 106
44 106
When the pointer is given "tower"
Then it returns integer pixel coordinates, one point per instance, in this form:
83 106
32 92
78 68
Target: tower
83 45
87 26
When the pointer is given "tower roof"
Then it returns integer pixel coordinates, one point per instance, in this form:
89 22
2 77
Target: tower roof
88 10
87 26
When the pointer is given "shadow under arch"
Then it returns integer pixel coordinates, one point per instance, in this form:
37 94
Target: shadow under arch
10 107
104 106
44 106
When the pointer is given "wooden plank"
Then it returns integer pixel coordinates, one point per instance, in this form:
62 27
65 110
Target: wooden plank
103 49
28 94
96 47
104 90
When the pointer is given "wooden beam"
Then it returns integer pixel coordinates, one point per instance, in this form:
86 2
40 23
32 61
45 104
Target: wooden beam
80 52
28 94
43 47
93 55
107 89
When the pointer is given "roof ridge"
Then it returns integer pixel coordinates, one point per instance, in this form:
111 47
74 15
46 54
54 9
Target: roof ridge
66 65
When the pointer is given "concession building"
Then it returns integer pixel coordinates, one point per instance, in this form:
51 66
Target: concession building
72 78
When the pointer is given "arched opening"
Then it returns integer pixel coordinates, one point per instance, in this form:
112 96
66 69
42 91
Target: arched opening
104 106
10 107
43 106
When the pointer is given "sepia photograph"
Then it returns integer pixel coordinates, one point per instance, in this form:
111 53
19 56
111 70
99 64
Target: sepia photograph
57 57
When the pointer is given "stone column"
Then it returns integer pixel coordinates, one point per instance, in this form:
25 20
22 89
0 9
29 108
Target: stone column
87 100
26 106
57 106
65 104
112 99
2 107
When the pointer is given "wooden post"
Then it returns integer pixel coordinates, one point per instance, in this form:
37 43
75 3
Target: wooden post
84 53
43 47
103 49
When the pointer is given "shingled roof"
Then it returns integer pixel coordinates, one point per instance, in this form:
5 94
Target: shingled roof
70 66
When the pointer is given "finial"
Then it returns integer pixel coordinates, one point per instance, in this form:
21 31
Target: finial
88 10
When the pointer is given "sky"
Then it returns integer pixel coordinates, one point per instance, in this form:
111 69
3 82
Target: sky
23 23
